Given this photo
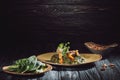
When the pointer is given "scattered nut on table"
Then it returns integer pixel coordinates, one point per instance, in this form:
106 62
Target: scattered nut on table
111 65
103 67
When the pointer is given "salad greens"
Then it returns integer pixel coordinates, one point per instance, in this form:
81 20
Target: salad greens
25 65
63 47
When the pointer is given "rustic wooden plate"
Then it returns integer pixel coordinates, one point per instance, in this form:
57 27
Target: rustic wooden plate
100 48
49 67
89 58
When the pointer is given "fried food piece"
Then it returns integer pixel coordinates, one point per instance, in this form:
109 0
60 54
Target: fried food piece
71 54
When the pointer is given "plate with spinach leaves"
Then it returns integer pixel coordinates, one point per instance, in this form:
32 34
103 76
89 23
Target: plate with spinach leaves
27 67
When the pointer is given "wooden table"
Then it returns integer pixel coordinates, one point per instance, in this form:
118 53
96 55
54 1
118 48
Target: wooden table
84 72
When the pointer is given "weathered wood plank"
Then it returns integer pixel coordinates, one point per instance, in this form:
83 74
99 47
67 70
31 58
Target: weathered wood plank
93 2
93 74
59 10
51 75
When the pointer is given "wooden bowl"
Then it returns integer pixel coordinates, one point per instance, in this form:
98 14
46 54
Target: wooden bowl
99 48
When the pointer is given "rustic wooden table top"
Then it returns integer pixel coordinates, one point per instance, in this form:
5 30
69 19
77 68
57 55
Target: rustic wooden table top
84 72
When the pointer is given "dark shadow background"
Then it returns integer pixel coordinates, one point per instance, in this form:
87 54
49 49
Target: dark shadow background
37 26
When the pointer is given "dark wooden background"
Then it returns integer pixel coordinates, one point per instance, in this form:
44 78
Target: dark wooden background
36 26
